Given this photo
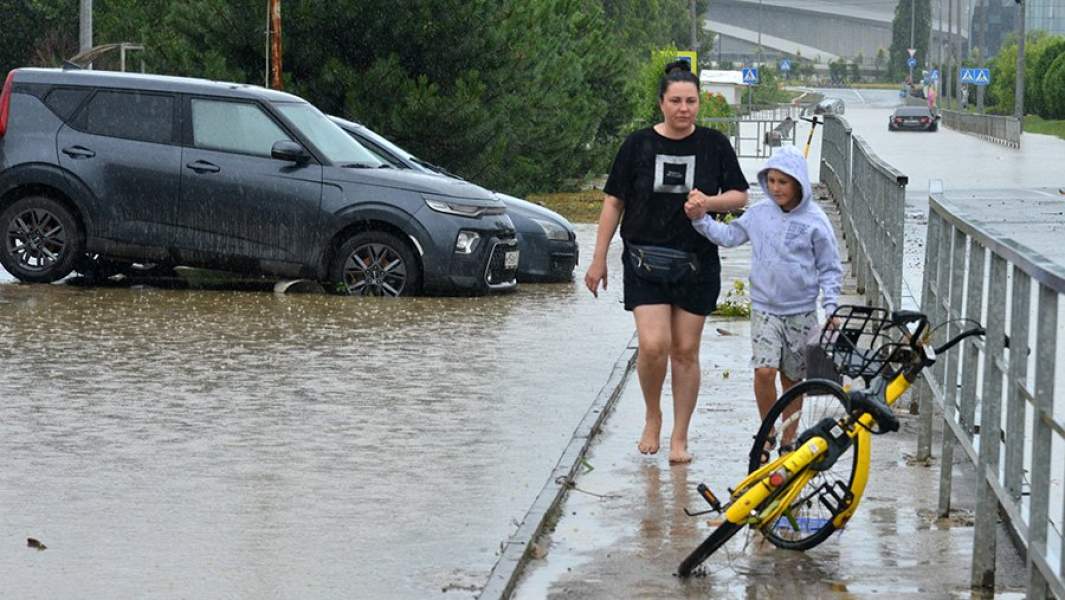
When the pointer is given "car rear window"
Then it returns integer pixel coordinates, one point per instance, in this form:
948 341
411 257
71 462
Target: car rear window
64 101
912 112
130 115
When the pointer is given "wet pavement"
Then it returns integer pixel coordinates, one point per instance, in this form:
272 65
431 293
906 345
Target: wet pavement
623 530
224 444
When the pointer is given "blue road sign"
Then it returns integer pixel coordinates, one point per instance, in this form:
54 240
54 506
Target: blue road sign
750 75
975 76
911 62
785 65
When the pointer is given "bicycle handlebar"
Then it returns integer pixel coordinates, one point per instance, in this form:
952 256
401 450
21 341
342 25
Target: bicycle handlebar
961 336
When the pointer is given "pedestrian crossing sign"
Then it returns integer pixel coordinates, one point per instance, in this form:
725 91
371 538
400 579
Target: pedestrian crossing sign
750 75
975 76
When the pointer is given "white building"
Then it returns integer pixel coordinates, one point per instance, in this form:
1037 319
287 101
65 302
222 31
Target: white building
727 83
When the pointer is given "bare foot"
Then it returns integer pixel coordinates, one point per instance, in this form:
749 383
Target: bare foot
652 430
678 453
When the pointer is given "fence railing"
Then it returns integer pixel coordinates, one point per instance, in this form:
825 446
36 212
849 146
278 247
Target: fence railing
996 128
997 396
871 195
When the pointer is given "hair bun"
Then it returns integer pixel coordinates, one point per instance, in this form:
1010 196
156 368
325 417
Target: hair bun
678 65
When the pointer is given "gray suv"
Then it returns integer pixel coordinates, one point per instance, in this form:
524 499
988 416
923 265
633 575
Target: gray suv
123 169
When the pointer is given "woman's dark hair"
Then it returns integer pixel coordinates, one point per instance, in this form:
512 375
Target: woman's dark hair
678 70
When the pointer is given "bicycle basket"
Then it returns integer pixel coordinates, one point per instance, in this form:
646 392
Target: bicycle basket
865 342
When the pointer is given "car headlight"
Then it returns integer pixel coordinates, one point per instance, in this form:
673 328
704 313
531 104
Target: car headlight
466 241
552 230
453 206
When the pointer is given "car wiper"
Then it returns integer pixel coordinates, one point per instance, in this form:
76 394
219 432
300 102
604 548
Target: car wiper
357 165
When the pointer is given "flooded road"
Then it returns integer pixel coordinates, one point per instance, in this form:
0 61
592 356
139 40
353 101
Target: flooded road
220 444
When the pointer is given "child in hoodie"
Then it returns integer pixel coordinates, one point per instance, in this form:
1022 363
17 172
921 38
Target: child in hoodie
795 257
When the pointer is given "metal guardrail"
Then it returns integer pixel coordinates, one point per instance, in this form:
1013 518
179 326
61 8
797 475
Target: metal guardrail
996 128
1008 379
871 195
750 137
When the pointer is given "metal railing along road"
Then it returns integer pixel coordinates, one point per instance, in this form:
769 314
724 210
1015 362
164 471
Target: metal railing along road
996 128
871 195
997 395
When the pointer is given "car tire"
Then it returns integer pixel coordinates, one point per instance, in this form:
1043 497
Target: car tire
933 128
375 263
41 239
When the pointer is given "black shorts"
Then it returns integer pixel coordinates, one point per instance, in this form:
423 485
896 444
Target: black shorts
697 293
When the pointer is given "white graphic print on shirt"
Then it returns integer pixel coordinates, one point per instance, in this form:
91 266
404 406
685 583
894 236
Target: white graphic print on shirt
674 174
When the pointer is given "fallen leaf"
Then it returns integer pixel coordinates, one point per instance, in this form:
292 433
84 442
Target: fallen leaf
724 332
35 543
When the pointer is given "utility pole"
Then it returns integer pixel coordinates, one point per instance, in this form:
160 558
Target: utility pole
695 36
85 26
1018 98
275 44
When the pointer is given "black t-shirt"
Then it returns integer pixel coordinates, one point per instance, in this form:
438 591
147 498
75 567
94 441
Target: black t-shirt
653 174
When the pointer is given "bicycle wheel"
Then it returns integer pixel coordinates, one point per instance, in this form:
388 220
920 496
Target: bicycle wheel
808 520
722 534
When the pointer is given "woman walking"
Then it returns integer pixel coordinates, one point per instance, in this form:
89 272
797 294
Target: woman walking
671 274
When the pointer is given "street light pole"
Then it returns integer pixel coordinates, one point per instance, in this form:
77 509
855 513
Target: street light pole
1018 98
913 13
760 32
695 38
85 26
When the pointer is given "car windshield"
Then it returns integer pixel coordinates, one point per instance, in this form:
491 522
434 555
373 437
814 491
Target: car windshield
338 147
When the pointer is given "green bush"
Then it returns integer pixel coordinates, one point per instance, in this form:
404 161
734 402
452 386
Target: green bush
1054 89
1036 101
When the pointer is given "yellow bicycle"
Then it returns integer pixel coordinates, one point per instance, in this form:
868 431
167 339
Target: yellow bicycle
825 430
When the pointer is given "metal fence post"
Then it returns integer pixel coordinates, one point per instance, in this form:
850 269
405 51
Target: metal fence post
1020 303
984 539
950 379
1042 438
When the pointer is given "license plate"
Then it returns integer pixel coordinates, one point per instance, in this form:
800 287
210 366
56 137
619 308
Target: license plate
510 259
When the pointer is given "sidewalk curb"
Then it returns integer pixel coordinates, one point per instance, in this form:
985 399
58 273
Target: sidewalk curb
515 555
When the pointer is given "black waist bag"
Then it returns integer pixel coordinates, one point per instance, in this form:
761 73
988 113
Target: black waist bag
659 264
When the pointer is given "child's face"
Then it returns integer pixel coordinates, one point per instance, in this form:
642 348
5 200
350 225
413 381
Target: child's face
784 189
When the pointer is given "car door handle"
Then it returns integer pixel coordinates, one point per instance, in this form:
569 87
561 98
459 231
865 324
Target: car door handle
202 166
78 152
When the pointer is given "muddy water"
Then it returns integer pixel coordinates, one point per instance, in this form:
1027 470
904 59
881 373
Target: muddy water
221 444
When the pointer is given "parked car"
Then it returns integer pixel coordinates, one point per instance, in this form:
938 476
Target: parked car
830 106
918 118
547 240
129 168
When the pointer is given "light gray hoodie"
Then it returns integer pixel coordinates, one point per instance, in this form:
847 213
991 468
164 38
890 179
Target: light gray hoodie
794 253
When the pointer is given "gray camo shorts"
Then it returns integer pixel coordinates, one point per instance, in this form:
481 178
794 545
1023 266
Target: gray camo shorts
779 342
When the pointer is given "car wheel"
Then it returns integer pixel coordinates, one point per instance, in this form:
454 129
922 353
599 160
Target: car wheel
933 128
376 263
41 239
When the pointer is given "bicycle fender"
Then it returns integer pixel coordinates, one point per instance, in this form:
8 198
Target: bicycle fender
741 509
861 477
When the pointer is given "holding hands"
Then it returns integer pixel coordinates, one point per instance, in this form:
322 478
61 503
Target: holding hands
697 204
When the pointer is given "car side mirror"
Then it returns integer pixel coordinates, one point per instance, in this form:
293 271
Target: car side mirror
289 151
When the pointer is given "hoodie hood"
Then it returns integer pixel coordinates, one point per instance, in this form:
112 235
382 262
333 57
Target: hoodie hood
788 160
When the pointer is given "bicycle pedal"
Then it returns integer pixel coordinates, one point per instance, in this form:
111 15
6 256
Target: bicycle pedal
709 496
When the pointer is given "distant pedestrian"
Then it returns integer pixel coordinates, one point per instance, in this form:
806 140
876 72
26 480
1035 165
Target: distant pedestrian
794 259
930 95
672 275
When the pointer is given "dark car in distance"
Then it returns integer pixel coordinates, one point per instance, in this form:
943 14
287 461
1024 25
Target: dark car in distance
913 118
127 169
547 241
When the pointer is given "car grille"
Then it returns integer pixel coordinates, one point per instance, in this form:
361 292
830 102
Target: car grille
496 273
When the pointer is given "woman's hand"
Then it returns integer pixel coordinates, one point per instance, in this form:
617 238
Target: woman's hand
595 274
697 204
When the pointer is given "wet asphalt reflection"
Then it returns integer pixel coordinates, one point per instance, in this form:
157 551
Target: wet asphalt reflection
210 444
